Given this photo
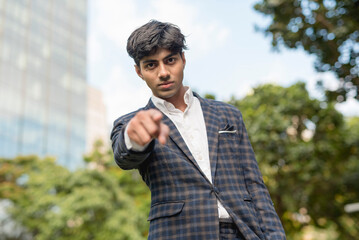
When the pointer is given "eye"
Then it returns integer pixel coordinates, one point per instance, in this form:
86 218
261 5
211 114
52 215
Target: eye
150 66
171 60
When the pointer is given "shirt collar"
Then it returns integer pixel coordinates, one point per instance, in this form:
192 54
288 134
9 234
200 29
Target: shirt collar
168 107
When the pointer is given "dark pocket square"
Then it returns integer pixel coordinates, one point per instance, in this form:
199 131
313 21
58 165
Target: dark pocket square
227 129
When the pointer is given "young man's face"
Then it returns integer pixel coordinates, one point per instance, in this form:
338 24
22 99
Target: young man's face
163 73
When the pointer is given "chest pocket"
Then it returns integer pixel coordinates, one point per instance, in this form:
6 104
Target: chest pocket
228 141
229 152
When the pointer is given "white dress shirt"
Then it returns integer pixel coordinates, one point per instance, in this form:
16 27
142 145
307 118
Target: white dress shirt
192 127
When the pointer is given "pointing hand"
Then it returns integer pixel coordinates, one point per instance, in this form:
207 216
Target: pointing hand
147 125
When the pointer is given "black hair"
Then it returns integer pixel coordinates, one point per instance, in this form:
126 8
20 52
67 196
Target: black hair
146 39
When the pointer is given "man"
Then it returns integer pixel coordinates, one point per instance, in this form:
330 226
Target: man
194 154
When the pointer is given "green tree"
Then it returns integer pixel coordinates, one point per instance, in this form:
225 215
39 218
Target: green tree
130 181
50 202
308 156
210 96
329 29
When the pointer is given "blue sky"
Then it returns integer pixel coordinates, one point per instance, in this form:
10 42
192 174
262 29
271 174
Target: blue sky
226 56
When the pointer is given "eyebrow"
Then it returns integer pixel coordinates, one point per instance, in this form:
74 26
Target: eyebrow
151 60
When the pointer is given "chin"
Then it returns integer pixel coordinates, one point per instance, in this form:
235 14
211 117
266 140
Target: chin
166 95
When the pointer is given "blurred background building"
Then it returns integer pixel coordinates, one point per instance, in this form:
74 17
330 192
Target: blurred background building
43 88
96 127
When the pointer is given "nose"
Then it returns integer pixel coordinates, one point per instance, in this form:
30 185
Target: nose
163 72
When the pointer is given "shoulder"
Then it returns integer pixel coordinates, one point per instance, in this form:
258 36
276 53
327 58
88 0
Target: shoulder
222 107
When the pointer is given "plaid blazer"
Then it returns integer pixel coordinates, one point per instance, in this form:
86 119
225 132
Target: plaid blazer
183 200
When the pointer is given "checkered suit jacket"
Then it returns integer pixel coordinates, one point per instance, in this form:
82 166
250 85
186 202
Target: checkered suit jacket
183 200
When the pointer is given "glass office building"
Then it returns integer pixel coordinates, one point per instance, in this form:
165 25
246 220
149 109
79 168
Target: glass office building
43 79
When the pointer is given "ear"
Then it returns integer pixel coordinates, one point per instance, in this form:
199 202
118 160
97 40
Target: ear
138 71
183 59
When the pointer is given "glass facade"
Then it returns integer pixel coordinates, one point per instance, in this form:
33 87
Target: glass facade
43 79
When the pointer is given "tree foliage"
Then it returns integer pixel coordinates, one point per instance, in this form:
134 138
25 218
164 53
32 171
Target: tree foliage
50 202
130 181
308 155
329 29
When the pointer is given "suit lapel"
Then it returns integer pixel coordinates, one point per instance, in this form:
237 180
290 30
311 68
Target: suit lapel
176 137
212 121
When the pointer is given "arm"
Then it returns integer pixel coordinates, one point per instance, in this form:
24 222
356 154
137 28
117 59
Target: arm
268 218
140 131
124 157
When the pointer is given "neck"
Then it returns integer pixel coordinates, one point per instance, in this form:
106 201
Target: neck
178 99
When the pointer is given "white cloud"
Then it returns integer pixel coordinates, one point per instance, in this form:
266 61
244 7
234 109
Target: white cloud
276 74
242 90
174 11
117 19
201 36
205 37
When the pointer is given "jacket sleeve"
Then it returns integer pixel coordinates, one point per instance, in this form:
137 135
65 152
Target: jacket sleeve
125 158
268 218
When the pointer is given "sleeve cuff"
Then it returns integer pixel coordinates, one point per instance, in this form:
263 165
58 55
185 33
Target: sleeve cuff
131 145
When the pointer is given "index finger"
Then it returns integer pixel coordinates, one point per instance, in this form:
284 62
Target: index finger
155 115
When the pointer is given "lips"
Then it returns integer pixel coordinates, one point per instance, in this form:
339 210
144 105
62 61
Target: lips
166 84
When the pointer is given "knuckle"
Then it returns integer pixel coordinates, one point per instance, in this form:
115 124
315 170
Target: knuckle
134 119
131 128
140 113
145 139
154 128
